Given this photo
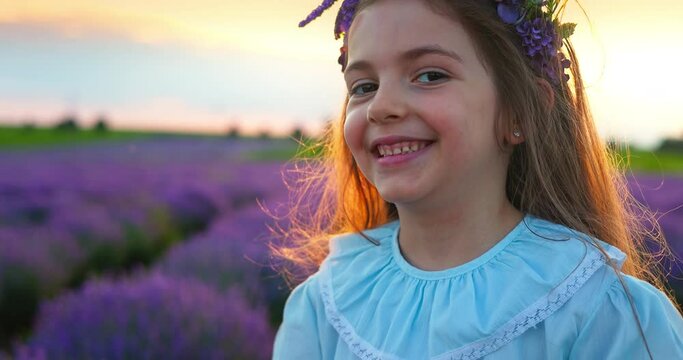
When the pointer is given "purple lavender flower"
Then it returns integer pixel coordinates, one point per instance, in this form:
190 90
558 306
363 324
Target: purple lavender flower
152 317
540 43
342 25
539 35
190 208
233 252
317 12
228 254
510 11
345 17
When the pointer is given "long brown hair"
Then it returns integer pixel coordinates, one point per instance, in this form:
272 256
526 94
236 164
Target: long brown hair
563 172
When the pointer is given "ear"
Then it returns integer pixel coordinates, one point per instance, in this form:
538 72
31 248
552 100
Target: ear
516 136
547 93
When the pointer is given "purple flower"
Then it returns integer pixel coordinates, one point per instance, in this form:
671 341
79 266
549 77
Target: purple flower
345 17
230 253
317 12
539 36
341 25
510 11
540 44
151 317
190 208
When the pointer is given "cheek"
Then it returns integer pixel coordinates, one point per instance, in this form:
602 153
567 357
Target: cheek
354 133
447 119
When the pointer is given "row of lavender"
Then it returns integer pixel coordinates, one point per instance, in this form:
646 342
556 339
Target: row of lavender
69 213
664 196
207 298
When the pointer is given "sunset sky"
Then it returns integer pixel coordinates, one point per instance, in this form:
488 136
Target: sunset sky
203 65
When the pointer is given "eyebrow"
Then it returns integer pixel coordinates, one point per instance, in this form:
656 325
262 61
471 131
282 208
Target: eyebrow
409 55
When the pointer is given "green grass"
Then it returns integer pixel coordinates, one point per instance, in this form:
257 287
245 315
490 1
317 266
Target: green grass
287 149
17 138
652 161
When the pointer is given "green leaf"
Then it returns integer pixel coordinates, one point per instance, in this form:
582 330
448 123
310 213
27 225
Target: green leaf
566 30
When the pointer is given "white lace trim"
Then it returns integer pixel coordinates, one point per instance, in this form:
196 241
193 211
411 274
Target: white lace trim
532 315
526 319
358 346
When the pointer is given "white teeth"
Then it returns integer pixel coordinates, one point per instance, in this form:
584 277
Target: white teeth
400 148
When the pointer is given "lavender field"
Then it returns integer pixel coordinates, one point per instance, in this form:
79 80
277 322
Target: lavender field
138 249
156 248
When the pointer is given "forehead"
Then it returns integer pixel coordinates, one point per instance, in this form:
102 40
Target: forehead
387 28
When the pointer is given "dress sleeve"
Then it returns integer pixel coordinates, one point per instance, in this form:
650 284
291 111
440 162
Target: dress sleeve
611 332
298 335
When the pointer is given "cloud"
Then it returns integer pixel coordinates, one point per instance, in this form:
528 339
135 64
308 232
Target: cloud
113 70
264 26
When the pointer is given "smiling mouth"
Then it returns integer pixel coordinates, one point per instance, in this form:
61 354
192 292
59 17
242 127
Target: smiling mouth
400 148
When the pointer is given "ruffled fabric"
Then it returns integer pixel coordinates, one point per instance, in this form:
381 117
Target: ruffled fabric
382 307
611 320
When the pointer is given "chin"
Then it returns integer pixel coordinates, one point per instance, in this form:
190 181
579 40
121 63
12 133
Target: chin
398 196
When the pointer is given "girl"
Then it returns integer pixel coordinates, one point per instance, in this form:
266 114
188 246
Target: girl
480 216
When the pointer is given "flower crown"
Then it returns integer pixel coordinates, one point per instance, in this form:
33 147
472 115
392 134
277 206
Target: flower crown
535 21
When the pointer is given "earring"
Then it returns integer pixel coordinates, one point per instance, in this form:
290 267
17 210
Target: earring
516 133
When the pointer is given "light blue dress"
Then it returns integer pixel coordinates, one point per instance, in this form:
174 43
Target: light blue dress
543 292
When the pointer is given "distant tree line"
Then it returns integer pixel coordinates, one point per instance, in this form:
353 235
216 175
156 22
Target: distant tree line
668 145
672 145
297 134
70 123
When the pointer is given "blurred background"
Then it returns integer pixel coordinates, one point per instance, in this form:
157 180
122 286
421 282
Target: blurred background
138 138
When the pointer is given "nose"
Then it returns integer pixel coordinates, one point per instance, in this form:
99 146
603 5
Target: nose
388 104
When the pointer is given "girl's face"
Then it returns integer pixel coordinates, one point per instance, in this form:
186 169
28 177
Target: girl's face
415 76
